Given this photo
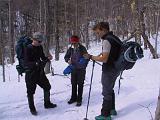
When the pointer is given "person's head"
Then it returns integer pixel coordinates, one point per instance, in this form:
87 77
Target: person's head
38 38
74 40
101 28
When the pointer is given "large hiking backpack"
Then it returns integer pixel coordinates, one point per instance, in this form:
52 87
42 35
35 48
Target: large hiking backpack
129 53
20 49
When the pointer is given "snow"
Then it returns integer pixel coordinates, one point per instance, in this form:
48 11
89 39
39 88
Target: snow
137 98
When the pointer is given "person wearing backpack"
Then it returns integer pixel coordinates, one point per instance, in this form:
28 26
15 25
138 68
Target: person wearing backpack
109 54
35 60
74 57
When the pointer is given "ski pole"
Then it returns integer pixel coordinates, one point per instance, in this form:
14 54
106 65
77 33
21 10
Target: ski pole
89 91
97 63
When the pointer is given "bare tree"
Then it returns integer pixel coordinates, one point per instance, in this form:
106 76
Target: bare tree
157 114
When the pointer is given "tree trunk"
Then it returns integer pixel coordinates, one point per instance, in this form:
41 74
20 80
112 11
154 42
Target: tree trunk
1 42
47 33
2 49
157 113
11 40
145 37
56 31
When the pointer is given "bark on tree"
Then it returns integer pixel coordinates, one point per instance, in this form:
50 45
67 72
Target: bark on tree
56 31
145 37
11 40
157 113
47 34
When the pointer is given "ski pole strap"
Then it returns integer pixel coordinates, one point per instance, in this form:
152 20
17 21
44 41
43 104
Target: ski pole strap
119 86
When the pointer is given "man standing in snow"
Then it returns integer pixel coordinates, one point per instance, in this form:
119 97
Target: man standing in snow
74 57
35 61
110 52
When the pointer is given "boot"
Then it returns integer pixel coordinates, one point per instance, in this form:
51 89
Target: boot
106 107
80 92
79 103
72 101
74 94
101 117
47 102
31 105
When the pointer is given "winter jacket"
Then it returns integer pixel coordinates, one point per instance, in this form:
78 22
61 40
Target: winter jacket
34 57
75 55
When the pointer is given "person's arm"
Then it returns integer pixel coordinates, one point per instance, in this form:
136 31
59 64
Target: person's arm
67 55
102 57
43 57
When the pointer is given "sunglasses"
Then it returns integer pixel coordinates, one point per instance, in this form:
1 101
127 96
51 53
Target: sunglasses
39 41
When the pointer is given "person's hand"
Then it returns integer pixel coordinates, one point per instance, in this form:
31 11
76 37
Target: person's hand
87 56
50 57
100 54
69 62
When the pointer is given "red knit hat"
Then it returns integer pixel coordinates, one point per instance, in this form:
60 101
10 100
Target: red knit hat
74 39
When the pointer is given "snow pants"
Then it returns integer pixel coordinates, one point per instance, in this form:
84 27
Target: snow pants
77 80
34 78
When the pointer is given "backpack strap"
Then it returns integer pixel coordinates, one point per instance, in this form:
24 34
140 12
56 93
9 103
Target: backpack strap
113 38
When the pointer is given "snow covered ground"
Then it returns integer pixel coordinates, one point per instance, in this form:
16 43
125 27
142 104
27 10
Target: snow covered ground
137 98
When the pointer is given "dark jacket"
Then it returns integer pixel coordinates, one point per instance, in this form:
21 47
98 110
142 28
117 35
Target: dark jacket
114 52
34 55
75 55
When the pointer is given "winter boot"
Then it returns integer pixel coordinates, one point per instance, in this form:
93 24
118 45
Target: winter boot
47 102
79 103
106 107
100 117
31 105
72 101
74 94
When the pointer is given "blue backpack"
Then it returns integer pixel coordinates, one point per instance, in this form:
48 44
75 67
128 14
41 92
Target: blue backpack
20 51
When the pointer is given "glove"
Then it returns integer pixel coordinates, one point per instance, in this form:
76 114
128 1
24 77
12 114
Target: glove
68 69
20 69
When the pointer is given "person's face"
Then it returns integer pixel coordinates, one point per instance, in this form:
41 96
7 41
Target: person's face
36 42
75 44
99 32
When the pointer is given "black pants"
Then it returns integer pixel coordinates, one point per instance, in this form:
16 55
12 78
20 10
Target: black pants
77 80
34 78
